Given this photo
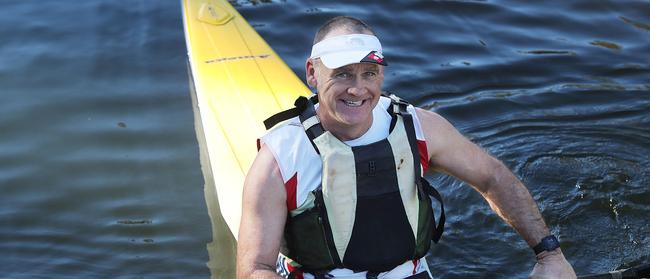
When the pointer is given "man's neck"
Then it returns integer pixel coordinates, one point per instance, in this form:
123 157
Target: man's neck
345 132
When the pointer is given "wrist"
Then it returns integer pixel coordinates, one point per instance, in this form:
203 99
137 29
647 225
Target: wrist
546 255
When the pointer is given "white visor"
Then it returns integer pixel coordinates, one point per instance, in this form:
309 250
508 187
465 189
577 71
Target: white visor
338 51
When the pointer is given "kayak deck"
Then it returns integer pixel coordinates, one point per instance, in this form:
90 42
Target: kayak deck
239 82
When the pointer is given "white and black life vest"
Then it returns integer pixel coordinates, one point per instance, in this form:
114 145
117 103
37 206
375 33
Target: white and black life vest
373 210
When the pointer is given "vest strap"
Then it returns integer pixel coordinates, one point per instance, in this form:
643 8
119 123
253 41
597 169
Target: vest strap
372 274
281 116
309 119
399 106
421 275
440 227
310 122
299 106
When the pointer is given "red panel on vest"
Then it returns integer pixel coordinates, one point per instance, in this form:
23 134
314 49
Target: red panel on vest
292 269
290 187
424 156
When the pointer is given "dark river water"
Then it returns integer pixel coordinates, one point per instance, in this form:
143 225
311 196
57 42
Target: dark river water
100 171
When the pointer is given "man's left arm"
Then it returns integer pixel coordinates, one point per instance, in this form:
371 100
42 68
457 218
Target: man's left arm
452 153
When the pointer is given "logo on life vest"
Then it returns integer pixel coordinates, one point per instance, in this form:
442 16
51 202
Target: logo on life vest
372 168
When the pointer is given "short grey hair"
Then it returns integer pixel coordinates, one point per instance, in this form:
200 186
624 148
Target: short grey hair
354 25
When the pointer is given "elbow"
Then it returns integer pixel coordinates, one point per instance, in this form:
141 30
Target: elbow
245 271
498 175
256 270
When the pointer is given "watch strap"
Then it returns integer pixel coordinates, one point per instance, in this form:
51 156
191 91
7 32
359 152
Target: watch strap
548 243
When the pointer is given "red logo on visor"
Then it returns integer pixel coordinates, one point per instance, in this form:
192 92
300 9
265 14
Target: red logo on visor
374 57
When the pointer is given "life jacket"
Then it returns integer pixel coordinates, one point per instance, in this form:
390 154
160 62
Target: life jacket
372 211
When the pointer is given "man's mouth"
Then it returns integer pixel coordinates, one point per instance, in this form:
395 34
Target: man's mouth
353 104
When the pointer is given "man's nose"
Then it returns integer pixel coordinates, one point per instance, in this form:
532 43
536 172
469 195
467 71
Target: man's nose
358 86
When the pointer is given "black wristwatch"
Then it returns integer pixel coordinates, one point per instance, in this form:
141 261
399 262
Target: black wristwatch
548 243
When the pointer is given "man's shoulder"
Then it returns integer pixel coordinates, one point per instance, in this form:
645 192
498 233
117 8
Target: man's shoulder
430 117
288 134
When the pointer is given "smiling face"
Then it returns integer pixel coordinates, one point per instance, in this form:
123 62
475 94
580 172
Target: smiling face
347 95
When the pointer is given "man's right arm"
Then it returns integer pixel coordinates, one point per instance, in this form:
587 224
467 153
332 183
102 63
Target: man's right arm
264 212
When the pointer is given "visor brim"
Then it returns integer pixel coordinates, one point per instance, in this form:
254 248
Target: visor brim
340 59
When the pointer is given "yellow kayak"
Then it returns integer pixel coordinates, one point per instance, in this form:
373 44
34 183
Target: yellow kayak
239 81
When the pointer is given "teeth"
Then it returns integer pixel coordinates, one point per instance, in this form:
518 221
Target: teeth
353 104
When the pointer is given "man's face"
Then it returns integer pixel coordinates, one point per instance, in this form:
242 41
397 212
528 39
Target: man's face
347 95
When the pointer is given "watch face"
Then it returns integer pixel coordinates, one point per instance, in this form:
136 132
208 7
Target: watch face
550 243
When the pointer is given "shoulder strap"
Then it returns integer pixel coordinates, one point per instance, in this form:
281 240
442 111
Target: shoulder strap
299 106
281 116
399 107
397 104
309 119
305 110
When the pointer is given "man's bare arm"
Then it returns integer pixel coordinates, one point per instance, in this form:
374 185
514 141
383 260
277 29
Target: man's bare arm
264 212
452 153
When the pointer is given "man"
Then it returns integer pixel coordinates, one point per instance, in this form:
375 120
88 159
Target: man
335 168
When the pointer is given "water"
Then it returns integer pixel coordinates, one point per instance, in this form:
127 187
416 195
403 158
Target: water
100 168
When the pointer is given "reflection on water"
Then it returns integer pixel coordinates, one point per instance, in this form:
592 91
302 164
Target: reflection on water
223 248
99 164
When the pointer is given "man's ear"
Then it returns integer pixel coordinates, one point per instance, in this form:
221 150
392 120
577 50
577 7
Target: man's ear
310 73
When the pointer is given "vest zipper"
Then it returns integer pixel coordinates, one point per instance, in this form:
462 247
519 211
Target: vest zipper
325 235
324 225
322 228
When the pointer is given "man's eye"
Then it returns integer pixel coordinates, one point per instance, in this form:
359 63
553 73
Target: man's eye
343 75
370 74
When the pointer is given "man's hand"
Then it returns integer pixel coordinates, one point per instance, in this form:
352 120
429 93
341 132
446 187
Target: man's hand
552 265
